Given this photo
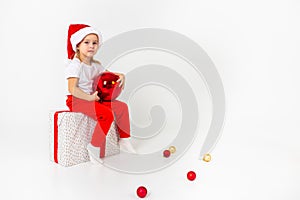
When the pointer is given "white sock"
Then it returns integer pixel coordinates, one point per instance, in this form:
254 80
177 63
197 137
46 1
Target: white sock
94 153
125 145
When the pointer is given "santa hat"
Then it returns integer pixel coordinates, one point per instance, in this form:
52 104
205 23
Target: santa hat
76 33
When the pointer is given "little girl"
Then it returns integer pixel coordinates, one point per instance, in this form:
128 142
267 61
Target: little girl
83 43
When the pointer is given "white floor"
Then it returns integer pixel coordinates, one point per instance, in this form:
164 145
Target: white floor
250 163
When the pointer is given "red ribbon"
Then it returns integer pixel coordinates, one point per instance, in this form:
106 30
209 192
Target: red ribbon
56 134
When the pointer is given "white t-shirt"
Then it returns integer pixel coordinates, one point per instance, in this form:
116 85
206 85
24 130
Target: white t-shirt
86 74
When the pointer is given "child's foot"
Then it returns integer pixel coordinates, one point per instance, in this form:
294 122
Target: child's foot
126 146
94 153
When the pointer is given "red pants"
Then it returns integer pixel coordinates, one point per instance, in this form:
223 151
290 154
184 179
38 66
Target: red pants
105 113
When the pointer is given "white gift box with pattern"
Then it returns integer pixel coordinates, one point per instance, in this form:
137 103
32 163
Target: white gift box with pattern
71 132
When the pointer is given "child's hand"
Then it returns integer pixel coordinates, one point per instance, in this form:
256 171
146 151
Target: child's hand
121 80
94 96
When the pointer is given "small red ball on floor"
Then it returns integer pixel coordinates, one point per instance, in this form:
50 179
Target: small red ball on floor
141 191
167 153
191 175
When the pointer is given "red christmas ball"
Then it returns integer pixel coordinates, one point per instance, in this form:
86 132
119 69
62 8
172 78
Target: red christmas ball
167 153
191 175
107 86
141 191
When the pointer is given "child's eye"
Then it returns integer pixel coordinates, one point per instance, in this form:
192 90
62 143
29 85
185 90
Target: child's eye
95 42
86 42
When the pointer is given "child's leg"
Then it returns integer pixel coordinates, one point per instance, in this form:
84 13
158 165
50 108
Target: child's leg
120 109
97 111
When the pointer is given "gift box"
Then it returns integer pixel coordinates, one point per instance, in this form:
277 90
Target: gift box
71 132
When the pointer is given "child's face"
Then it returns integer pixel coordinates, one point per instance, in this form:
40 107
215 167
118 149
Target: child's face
89 46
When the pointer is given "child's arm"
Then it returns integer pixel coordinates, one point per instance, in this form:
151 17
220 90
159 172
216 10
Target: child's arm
121 79
77 92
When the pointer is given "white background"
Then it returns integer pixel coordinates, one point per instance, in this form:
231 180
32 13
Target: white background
254 45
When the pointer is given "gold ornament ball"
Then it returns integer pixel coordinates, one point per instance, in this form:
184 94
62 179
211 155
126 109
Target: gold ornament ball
207 157
172 149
